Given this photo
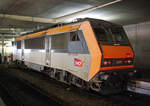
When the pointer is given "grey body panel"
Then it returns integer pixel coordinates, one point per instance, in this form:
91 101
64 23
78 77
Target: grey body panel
63 58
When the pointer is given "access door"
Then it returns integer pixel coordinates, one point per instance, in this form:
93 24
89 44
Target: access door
48 50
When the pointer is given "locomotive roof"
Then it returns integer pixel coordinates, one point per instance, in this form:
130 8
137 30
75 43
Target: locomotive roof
93 21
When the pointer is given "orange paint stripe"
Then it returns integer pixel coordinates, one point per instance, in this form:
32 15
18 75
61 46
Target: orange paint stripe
62 29
116 67
31 35
50 31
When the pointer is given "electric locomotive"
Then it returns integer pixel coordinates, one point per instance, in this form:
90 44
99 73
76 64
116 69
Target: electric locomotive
89 53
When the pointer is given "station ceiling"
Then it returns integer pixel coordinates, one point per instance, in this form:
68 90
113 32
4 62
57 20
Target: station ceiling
125 12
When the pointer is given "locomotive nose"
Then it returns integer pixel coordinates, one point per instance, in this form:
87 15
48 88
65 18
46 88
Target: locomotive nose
117 51
117 57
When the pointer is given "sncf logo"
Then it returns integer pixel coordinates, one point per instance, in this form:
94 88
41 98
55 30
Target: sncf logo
78 62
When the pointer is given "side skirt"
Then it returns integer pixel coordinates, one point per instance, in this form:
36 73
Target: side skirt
102 83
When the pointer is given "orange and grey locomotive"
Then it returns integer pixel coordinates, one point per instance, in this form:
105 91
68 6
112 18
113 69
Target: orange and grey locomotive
92 54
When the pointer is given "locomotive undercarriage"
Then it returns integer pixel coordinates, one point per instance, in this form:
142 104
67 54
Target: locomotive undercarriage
109 82
103 83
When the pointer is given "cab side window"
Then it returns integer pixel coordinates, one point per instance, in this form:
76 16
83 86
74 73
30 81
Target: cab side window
77 43
74 36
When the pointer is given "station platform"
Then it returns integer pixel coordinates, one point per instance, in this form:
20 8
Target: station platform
2 103
141 86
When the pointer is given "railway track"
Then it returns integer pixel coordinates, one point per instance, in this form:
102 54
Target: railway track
8 99
15 92
76 96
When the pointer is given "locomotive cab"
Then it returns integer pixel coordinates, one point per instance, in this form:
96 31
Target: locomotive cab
117 57
115 47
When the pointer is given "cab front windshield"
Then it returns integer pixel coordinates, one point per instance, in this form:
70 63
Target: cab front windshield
111 35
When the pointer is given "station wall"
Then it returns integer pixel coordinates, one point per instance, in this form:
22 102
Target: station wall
139 36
